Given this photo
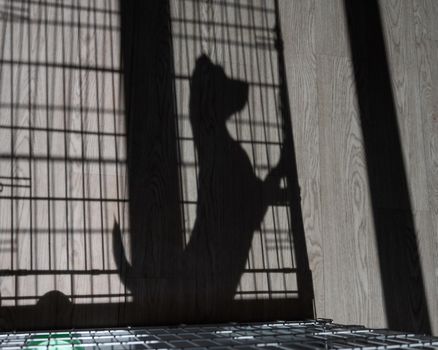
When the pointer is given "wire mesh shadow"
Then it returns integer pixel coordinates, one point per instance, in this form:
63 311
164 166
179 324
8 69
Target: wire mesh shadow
112 216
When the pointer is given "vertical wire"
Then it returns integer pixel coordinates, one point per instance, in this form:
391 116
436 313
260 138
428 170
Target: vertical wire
288 213
225 8
3 45
263 123
64 110
280 137
113 90
107 30
36 80
265 30
179 115
105 206
113 94
81 108
195 154
124 127
46 70
197 12
86 158
17 204
250 119
88 140
99 134
123 219
30 139
210 23
53 214
69 162
178 136
12 141
283 98
184 167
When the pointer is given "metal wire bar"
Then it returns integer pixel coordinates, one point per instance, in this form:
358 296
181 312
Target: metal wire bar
318 334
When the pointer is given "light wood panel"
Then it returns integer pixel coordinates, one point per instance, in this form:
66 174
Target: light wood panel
331 35
426 54
347 225
303 87
350 265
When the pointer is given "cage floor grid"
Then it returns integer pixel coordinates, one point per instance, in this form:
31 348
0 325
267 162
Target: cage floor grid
321 334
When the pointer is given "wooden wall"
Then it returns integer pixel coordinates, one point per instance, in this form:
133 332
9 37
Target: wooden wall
112 212
61 71
332 162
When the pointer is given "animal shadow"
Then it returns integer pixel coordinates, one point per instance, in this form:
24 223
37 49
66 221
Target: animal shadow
232 200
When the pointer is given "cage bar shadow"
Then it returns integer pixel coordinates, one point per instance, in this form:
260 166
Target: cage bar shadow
399 260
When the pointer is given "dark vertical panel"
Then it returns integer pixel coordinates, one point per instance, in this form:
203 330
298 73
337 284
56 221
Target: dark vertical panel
156 238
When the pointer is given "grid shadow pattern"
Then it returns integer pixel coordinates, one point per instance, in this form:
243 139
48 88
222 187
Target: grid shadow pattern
64 158
241 37
62 150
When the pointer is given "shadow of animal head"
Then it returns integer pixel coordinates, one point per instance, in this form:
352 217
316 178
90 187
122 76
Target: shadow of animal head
214 97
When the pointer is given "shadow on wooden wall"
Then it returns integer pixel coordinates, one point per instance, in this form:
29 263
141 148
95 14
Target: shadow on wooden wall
399 260
193 274
233 249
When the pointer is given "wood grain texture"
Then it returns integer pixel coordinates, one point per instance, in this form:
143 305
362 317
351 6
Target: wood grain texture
336 205
331 36
407 25
426 54
302 85
298 26
427 24
347 224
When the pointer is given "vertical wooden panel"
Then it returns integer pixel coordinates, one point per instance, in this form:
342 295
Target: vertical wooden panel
426 56
331 36
298 26
344 195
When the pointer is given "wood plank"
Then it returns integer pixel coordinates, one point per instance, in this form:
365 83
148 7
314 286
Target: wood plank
427 24
298 25
301 72
426 55
346 212
331 36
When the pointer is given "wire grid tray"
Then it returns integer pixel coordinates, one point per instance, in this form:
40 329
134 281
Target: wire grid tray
320 334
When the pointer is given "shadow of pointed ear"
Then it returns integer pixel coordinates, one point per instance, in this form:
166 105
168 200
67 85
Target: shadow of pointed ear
122 264
203 59
202 67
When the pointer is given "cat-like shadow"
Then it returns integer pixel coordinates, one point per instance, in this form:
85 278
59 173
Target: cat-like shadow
231 203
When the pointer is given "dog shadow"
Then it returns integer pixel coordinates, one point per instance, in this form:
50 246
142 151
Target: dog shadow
232 201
